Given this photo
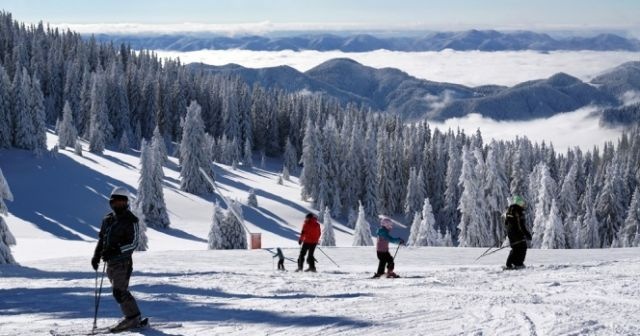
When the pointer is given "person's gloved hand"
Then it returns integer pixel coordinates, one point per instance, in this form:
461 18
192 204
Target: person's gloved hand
95 261
109 253
401 241
299 241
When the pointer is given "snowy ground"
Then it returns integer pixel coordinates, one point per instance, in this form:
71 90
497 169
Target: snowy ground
59 202
442 293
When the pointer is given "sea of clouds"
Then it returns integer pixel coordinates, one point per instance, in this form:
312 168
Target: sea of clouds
470 68
579 128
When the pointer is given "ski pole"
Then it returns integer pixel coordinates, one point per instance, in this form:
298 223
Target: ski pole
397 248
503 247
97 295
328 257
484 253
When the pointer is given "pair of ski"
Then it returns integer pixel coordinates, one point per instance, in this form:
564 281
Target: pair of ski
144 324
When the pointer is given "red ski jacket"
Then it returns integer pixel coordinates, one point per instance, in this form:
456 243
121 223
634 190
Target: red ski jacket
310 231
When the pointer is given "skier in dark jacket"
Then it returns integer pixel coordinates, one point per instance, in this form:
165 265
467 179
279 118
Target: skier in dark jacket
280 257
309 238
118 239
517 233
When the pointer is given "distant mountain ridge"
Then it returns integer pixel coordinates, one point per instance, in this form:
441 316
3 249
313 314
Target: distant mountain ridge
395 91
484 40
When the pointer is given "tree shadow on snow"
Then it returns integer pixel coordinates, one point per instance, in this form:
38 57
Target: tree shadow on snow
62 197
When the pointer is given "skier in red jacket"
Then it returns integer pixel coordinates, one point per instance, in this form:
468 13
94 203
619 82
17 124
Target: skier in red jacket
309 238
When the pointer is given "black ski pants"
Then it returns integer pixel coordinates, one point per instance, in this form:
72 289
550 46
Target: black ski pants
119 273
385 259
311 248
517 255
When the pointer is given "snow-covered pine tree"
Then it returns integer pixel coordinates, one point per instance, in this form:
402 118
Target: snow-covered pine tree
429 235
23 128
553 237
280 180
496 191
285 174
143 240
37 112
546 196
78 148
233 232
416 229
247 157
362 231
352 217
473 221
192 152
328 235
370 179
415 194
609 206
6 126
629 235
450 212
67 133
215 241
123 145
447 240
160 146
6 238
590 226
290 157
99 127
252 200
150 194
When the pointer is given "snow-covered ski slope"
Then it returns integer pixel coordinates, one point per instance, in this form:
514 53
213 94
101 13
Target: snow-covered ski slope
442 292
59 203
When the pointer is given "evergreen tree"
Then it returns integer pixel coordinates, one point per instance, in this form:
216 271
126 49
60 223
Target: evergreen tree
37 112
496 191
232 229
370 178
192 152
554 230
215 241
67 133
78 148
99 127
609 207
124 145
290 157
6 238
143 240
285 174
6 124
247 159
590 226
23 127
416 229
546 196
328 236
150 194
252 200
362 231
630 233
450 212
429 235
160 146
473 222
415 193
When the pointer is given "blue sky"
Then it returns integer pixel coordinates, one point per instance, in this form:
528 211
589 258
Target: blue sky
452 14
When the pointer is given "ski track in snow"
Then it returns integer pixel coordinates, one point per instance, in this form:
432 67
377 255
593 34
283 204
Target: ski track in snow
239 293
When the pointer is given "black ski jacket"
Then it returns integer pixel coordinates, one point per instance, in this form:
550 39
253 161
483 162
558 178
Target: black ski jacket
118 236
515 225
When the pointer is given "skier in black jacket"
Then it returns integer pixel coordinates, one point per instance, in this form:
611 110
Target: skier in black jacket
517 233
118 239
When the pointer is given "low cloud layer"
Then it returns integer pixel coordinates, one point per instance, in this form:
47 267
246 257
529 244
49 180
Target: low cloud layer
470 68
567 130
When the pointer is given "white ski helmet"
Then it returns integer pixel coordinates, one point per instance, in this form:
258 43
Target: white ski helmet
120 191
386 222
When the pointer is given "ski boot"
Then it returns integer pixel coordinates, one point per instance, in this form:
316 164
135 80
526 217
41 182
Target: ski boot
125 324
391 274
311 269
377 275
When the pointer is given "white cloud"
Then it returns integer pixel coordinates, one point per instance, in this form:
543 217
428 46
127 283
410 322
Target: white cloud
567 130
470 68
630 98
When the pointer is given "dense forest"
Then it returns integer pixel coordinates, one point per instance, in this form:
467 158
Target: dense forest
345 155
